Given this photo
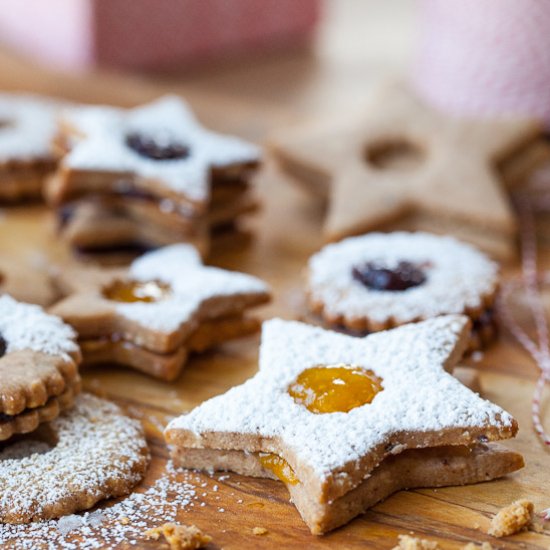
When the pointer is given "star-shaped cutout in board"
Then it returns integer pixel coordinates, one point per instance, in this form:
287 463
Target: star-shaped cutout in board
400 164
419 405
152 314
159 148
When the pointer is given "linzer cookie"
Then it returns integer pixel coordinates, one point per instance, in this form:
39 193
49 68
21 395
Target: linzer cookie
346 421
153 314
149 176
27 127
88 454
382 280
38 367
400 164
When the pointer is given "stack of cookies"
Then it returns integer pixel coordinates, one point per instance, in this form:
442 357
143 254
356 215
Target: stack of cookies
147 177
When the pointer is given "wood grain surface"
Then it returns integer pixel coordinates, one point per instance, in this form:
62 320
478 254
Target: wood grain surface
252 100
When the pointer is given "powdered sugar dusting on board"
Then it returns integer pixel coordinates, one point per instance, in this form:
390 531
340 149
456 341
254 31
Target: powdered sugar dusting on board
112 527
191 282
418 396
26 326
103 147
458 277
27 127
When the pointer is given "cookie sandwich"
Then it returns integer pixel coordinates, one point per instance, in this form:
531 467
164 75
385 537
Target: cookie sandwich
152 315
147 177
382 280
39 360
344 422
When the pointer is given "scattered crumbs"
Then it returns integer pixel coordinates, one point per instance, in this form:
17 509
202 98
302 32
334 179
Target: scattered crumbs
223 478
477 525
240 501
215 488
477 356
221 509
406 542
109 528
512 519
474 546
259 531
180 537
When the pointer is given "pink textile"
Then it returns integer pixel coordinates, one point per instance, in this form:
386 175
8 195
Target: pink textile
151 34
485 57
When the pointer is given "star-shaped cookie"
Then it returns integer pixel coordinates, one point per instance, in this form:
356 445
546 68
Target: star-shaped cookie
151 315
159 149
400 164
418 405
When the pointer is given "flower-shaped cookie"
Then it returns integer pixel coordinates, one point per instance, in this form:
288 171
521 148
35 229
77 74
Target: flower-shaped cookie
151 315
332 407
381 280
38 367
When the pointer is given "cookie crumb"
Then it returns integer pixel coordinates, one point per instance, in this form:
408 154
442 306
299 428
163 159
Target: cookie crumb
512 519
180 537
407 542
260 531
124 520
474 546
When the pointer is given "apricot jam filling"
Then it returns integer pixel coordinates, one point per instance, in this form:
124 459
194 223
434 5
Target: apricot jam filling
137 291
278 466
335 388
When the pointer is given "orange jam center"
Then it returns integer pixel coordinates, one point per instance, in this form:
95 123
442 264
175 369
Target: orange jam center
335 388
279 466
137 291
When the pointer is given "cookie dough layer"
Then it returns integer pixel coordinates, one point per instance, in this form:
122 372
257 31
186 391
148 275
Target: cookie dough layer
29 419
24 181
432 467
166 366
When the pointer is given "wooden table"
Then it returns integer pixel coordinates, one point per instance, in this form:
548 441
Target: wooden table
252 99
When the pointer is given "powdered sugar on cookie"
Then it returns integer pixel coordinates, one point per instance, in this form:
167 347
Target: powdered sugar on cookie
458 277
99 453
191 284
27 127
419 404
28 327
103 145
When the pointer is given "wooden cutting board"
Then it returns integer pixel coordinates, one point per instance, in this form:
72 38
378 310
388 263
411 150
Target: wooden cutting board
250 101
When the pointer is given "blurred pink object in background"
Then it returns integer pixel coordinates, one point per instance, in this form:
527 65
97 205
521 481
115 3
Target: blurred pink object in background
151 34
485 57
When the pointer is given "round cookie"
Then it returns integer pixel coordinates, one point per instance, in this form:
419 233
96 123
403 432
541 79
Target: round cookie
26 283
91 453
39 361
382 280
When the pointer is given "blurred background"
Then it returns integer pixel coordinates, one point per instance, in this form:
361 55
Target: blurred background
308 56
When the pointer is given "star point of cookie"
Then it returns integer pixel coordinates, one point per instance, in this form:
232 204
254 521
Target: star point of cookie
27 126
164 306
419 405
401 164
